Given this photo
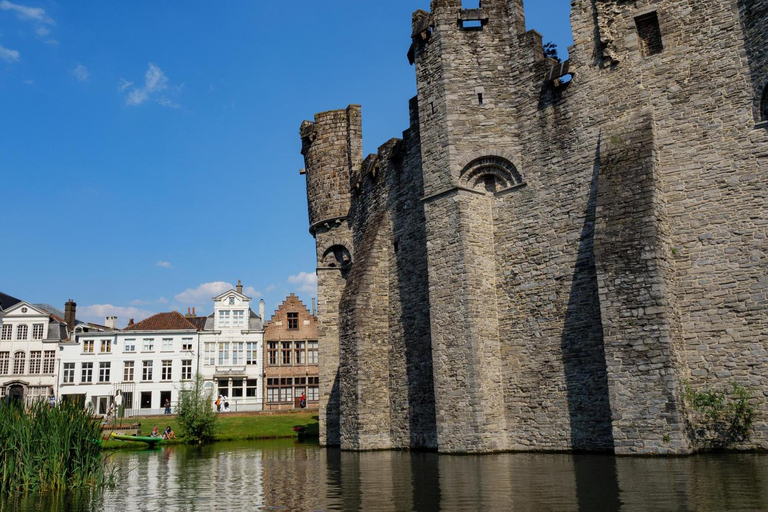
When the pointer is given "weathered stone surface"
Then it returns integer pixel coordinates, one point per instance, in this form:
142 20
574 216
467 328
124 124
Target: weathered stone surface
539 265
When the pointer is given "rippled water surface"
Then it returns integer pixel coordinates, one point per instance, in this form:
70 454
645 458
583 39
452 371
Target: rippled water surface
287 475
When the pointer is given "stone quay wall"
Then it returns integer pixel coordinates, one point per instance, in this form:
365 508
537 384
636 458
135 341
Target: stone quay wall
542 263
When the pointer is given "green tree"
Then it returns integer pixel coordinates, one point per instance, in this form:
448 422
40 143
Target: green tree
195 412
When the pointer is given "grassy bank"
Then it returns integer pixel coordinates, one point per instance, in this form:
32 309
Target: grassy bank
233 427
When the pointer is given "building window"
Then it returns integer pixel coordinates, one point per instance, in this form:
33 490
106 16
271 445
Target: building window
238 318
252 353
5 358
35 362
649 33
49 362
272 353
7 332
224 388
273 390
237 388
252 386
146 400
293 320
286 389
186 344
186 369
223 319
88 346
301 355
146 371
69 373
312 353
19 363
128 371
104 371
149 345
130 346
313 393
21 332
231 301
86 372
166 370
106 346
223 353
210 354
237 353
37 331
167 344
300 386
286 350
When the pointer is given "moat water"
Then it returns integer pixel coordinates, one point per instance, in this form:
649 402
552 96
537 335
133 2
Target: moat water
292 476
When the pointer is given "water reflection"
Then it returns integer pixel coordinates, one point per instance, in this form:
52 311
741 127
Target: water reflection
292 476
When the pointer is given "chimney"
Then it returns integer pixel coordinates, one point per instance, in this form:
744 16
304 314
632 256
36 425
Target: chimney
261 309
193 313
70 309
239 287
130 322
111 322
314 311
188 313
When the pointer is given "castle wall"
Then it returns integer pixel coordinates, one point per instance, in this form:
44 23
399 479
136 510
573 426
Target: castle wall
579 250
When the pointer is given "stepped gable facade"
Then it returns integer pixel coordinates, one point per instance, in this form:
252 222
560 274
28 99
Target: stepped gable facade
540 263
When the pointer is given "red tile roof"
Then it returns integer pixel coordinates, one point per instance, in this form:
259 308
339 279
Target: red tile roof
197 321
173 321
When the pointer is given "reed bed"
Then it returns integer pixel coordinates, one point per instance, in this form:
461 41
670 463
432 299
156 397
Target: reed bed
49 448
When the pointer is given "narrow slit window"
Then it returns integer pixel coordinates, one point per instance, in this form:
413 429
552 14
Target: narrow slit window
480 99
649 32
764 105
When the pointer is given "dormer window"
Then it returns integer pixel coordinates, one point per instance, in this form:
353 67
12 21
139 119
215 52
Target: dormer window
238 318
224 319
231 301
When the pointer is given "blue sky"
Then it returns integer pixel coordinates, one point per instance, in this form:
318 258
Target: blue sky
149 150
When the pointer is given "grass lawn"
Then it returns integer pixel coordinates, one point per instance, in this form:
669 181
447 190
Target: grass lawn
233 427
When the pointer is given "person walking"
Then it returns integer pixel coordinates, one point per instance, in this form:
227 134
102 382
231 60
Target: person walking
167 406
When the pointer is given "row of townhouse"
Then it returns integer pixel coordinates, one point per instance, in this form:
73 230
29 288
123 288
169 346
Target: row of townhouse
150 362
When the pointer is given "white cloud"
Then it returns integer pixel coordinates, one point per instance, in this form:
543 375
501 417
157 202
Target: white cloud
306 282
251 292
27 13
81 73
98 312
203 293
8 55
163 264
155 81
162 300
271 288
42 31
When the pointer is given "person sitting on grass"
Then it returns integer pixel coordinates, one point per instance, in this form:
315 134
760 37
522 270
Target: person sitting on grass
155 432
168 433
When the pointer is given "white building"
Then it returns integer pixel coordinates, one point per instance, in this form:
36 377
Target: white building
148 362
233 351
29 340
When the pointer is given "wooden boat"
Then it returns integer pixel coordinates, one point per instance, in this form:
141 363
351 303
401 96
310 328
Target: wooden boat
151 441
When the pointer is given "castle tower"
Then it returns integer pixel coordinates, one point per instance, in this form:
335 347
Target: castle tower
332 148
463 63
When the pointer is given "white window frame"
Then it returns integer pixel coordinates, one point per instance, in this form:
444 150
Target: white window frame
7 334
167 345
69 373
166 370
105 371
37 331
148 345
129 368
86 370
130 345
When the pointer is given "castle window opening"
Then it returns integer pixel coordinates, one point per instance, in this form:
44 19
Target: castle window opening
480 99
649 32
470 25
764 105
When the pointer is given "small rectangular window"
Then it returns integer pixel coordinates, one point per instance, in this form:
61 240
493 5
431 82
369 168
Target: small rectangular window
293 320
649 32
471 25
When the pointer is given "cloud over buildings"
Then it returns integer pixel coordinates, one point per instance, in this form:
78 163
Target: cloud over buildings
306 282
96 313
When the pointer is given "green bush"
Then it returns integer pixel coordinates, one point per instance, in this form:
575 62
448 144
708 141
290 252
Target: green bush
49 448
721 418
195 413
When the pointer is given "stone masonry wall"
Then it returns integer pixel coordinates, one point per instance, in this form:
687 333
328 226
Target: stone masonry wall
540 265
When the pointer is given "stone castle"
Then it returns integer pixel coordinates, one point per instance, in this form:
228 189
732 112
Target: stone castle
540 263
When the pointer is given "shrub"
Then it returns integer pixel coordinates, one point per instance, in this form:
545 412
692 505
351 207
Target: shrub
195 413
721 418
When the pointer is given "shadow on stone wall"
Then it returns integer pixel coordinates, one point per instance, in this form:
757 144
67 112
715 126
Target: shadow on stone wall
332 422
586 373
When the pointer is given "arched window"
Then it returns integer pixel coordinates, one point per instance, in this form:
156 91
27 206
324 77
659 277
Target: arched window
490 174
19 360
337 256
